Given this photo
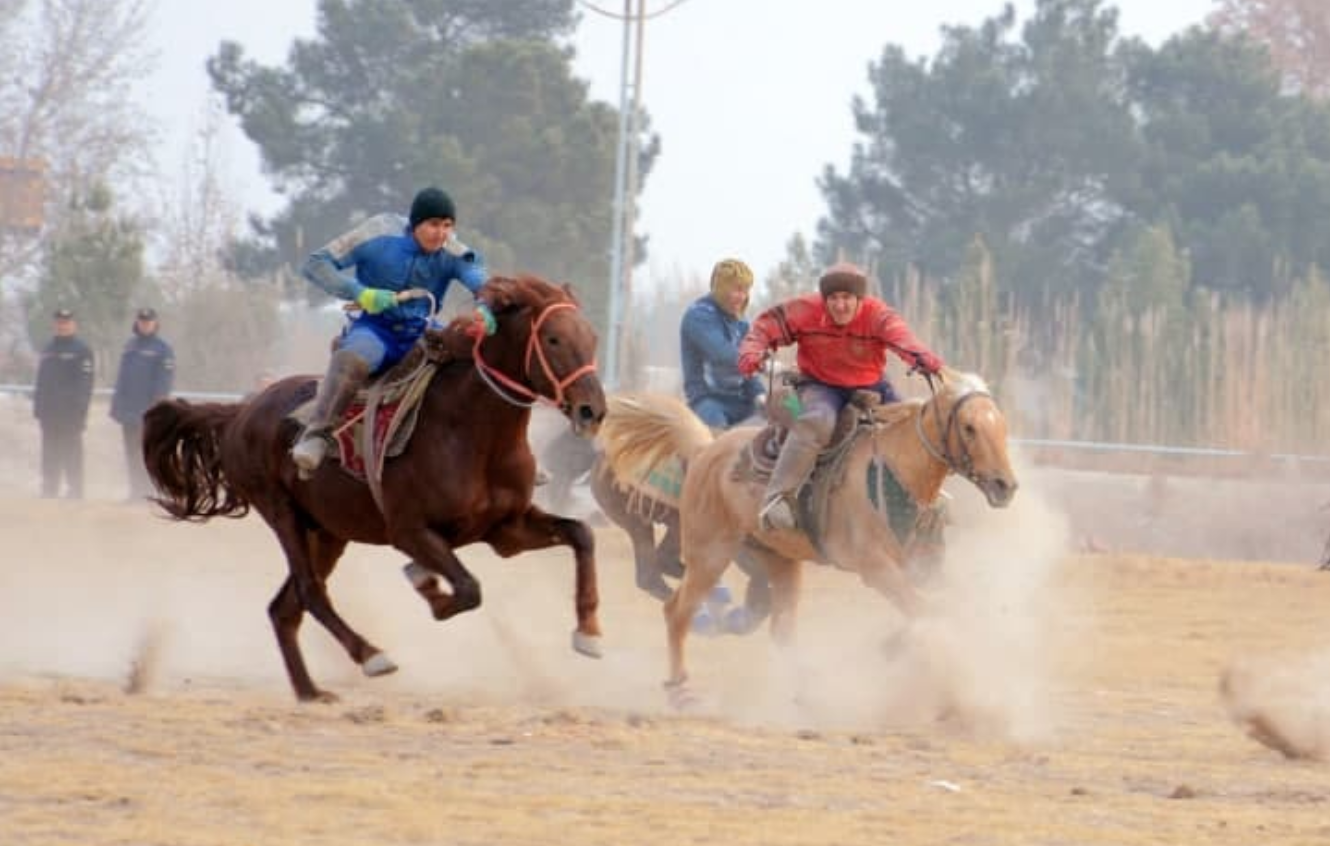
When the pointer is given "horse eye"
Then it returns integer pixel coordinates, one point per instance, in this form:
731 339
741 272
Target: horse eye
552 340
969 430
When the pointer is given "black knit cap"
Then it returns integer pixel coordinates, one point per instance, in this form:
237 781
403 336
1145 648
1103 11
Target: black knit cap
63 314
843 276
147 313
431 203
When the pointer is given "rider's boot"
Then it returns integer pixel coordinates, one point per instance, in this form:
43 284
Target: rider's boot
346 373
796 462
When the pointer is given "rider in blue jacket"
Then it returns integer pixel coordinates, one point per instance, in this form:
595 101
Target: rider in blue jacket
709 337
390 255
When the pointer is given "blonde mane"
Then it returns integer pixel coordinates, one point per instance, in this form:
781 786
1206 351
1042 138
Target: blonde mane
643 430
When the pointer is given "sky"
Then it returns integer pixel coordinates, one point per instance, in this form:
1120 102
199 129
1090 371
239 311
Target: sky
751 100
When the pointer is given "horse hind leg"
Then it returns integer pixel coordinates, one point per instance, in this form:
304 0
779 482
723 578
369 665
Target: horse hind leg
285 611
311 557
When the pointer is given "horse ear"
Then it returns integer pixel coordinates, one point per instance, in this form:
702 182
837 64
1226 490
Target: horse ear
572 295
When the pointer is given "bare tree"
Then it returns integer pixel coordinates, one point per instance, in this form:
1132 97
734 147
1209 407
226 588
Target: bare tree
1297 33
202 216
67 72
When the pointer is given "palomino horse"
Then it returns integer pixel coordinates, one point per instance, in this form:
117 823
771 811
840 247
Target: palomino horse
466 475
959 429
637 498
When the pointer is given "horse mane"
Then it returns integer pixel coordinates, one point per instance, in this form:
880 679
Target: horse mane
643 430
502 293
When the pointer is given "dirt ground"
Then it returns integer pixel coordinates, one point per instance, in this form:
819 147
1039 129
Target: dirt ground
1048 697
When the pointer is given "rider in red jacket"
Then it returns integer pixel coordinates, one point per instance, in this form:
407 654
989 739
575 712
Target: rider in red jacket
843 336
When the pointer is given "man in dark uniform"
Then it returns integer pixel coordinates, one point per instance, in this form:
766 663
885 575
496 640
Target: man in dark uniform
147 371
60 404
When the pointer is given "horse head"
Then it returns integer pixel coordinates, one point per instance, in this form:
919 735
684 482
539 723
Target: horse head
962 426
544 349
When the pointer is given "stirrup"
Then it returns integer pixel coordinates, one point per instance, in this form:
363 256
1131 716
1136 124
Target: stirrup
310 451
778 515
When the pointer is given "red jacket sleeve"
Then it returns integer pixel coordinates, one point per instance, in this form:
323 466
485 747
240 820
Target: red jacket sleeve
769 330
892 330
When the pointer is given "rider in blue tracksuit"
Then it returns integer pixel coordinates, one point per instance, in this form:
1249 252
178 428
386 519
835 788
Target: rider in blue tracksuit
390 255
709 337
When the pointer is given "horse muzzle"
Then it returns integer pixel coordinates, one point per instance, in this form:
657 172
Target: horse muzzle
998 490
585 409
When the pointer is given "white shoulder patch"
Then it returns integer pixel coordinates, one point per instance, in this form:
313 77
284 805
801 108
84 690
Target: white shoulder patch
454 247
376 227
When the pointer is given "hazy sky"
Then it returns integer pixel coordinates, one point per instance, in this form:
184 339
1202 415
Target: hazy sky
751 99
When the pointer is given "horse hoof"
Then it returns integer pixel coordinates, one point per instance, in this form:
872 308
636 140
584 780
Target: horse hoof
378 664
588 645
737 621
417 575
704 623
322 697
681 697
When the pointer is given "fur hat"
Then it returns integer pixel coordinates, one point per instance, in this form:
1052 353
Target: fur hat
429 204
726 276
843 276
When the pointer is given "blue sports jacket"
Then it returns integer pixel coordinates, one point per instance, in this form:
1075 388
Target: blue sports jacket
385 255
709 348
147 372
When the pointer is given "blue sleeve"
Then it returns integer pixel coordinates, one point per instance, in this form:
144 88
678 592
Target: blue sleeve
703 330
325 267
468 267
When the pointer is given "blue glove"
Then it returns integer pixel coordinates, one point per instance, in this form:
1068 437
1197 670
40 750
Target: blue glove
484 317
375 300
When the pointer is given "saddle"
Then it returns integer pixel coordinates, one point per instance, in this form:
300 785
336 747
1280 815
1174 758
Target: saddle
380 419
918 527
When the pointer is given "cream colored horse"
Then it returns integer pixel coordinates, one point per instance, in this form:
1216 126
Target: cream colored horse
960 429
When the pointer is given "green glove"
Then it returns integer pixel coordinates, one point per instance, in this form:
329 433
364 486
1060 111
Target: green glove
375 300
486 317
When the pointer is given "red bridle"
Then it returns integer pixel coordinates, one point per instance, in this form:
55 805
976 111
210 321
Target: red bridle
533 347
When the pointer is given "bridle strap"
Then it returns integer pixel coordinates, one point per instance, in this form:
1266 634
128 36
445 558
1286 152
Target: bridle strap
962 464
529 397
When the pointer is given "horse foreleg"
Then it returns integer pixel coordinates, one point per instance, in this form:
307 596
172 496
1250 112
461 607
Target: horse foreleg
536 529
888 579
701 573
757 596
646 569
433 556
668 557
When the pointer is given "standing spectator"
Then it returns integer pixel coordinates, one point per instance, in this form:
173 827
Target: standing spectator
147 371
60 404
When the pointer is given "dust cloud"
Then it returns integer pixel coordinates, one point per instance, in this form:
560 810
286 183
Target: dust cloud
1282 702
110 590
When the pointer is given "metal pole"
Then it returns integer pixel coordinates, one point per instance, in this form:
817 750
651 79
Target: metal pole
630 189
615 318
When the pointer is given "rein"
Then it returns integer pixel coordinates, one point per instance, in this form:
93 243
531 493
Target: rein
505 386
962 464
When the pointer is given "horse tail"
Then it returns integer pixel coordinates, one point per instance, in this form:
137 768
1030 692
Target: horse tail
641 431
182 449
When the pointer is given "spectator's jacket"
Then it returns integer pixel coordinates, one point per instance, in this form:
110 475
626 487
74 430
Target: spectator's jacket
64 384
849 356
709 348
385 255
147 372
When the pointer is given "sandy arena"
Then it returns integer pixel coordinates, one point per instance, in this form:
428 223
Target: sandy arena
1049 698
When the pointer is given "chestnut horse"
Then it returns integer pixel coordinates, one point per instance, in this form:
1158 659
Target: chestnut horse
466 475
959 429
